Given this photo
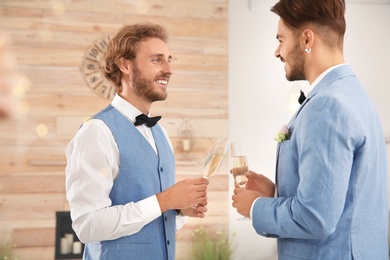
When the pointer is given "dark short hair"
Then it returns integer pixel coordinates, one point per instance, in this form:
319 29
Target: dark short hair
125 44
328 14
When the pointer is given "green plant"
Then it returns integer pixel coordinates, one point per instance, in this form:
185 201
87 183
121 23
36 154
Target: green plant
207 247
6 252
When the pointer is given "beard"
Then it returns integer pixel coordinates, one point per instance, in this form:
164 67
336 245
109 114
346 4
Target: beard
297 64
145 88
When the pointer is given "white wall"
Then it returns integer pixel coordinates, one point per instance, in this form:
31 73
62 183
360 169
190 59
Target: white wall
259 92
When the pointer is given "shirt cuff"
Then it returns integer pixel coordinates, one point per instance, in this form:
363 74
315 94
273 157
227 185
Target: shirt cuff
180 221
152 206
154 212
250 213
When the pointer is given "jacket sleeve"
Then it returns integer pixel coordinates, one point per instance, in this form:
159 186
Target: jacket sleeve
318 158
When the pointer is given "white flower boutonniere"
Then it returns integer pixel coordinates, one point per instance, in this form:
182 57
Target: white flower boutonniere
283 135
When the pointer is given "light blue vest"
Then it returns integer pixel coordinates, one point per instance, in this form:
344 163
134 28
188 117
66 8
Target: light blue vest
142 174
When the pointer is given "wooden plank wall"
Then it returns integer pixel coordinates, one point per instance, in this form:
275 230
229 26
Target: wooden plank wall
49 39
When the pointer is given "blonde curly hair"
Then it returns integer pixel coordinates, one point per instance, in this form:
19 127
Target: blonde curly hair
125 44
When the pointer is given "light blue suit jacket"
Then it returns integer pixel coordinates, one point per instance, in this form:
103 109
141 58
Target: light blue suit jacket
331 178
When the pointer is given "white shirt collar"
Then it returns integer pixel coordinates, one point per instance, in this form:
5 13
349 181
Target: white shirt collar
125 108
308 89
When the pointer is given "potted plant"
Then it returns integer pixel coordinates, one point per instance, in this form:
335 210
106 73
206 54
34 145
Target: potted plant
208 247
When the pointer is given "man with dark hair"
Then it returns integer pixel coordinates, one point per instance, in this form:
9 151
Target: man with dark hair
331 199
120 173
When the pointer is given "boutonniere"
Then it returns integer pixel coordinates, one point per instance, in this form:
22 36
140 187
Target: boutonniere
283 135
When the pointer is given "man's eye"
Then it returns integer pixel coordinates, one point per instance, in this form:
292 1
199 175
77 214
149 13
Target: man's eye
156 60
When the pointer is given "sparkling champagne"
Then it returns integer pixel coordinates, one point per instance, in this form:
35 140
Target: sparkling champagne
240 167
211 165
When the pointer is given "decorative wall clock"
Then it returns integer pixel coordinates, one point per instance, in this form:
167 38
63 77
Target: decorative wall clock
92 69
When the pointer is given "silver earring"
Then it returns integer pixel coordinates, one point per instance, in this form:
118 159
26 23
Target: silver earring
308 50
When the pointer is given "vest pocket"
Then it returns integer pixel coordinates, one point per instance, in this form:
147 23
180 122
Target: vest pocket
131 247
126 251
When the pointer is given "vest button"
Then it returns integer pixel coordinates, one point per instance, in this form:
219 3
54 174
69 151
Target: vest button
166 219
161 169
168 242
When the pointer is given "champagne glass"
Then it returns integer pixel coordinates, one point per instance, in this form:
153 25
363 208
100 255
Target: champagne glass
215 157
239 165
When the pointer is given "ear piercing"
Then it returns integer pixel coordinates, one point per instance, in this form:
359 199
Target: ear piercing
308 50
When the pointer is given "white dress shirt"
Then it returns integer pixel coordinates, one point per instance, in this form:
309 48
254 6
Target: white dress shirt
92 166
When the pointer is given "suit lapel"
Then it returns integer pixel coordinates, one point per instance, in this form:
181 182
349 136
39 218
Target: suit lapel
336 74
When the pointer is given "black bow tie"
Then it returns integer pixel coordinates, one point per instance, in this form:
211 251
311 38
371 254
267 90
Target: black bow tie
301 98
144 119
